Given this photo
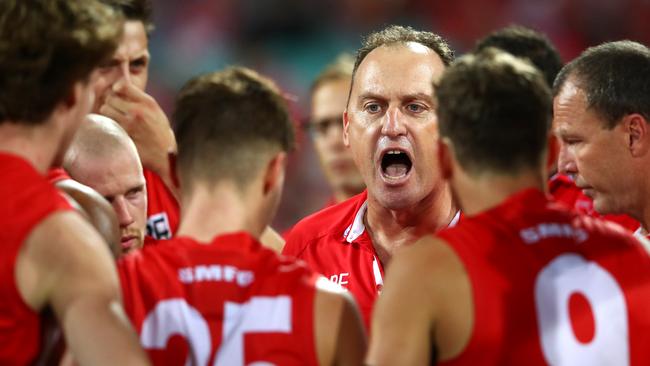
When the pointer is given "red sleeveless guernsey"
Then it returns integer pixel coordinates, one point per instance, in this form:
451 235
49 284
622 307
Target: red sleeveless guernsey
163 211
26 198
550 286
230 302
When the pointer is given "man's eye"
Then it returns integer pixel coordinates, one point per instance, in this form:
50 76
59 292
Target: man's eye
322 127
139 63
134 193
415 108
106 67
373 107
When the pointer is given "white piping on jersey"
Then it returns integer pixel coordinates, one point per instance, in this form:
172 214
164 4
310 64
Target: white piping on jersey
641 235
455 220
357 227
379 281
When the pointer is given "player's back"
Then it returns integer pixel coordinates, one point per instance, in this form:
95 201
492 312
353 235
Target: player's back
26 198
230 302
552 287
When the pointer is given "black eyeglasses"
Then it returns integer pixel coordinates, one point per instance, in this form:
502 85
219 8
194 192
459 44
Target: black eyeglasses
321 127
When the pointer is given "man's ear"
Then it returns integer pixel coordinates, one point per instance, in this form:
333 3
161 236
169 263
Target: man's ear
346 125
274 174
66 109
445 157
636 127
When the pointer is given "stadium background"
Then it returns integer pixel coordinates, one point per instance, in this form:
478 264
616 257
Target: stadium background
291 40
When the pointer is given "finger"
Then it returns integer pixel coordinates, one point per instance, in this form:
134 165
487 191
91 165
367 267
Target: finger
120 104
127 90
114 114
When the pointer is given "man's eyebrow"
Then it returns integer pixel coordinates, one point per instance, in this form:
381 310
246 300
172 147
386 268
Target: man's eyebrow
421 96
136 187
144 54
369 95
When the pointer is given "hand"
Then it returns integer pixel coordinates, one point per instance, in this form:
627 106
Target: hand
146 123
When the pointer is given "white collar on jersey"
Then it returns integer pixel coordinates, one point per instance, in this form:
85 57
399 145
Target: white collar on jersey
357 227
641 235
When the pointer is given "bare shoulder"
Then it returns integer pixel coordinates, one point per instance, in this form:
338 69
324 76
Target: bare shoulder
427 260
60 248
426 293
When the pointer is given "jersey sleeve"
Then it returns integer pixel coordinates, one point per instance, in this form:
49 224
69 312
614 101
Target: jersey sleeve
295 242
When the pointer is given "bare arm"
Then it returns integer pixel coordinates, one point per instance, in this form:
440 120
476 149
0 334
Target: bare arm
340 337
426 304
351 341
403 315
66 265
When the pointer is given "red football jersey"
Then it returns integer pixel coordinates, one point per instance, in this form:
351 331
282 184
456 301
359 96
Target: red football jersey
564 190
335 243
230 302
56 175
552 287
162 208
26 198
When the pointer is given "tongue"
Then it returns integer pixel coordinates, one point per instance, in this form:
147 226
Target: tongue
396 170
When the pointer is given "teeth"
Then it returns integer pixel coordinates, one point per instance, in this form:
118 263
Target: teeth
391 152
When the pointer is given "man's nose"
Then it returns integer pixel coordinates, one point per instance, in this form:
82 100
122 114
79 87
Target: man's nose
125 72
566 161
121 208
393 125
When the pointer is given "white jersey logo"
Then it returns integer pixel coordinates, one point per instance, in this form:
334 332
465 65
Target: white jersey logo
216 273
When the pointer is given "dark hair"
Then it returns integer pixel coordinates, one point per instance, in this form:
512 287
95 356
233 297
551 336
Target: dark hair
135 10
496 109
339 69
526 43
615 77
397 34
46 46
226 123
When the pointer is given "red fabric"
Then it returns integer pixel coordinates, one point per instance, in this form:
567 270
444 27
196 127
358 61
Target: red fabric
26 198
163 211
149 241
564 190
512 254
56 175
231 275
322 241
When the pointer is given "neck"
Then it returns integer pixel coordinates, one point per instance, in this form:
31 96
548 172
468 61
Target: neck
208 212
391 229
478 194
35 144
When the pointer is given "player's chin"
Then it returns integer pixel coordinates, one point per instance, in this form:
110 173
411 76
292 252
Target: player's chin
398 198
603 204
